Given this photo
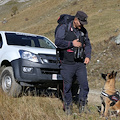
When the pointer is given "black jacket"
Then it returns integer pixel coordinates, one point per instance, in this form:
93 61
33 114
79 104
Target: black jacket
63 40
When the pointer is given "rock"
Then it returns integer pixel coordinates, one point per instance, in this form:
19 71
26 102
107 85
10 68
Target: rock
117 40
98 61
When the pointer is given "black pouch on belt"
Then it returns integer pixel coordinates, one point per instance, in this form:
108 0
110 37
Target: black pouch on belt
79 53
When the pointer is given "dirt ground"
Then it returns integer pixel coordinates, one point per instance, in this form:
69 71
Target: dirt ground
94 97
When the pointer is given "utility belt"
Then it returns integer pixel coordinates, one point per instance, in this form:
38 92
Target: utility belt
70 56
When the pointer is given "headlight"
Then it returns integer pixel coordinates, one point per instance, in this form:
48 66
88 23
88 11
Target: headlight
28 56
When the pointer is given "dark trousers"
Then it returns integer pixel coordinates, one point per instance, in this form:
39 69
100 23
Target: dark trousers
68 72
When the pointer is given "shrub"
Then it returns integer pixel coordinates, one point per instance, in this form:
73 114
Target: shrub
14 10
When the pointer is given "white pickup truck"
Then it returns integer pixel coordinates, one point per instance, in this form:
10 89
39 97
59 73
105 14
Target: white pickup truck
27 60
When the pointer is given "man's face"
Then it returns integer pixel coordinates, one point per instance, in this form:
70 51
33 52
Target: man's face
77 23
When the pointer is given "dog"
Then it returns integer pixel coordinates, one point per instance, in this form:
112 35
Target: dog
109 96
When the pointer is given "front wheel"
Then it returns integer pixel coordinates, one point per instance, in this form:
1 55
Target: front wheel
8 83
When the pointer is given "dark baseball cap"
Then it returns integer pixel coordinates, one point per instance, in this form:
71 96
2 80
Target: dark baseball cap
82 17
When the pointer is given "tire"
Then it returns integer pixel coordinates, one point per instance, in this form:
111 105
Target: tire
8 83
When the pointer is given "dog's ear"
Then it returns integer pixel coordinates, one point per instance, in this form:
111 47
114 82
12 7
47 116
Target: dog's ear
103 76
115 74
111 75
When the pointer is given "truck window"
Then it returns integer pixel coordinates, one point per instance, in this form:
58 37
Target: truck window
44 43
28 40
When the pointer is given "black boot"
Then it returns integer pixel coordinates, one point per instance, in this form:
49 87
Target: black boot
68 109
83 107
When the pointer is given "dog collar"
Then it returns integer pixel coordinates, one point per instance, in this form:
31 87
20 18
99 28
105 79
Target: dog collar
104 94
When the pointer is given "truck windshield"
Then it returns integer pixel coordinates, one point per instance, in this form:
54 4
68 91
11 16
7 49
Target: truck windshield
22 39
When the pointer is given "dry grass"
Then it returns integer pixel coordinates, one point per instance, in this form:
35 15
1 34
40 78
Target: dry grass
28 108
44 108
105 58
40 17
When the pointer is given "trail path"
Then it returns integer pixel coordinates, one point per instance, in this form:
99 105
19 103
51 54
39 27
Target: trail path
94 97
2 2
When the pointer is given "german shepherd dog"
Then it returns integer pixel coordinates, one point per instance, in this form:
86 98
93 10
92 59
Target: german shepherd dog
109 96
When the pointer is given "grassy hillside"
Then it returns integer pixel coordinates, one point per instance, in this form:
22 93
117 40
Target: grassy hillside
39 17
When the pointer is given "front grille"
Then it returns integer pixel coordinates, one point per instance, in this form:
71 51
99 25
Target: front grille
52 61
50 58
50 71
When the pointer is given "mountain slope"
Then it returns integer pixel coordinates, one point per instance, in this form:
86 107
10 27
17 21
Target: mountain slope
40 16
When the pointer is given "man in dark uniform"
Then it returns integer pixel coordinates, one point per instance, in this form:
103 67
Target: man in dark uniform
69 66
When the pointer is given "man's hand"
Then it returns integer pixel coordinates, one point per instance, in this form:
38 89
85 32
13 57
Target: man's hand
76 43
87 60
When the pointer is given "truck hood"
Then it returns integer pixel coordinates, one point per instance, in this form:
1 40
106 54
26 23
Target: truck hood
34 50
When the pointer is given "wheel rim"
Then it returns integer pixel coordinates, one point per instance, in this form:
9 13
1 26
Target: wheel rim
6 83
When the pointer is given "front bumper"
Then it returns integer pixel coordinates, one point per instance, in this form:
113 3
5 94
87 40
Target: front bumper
40 73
